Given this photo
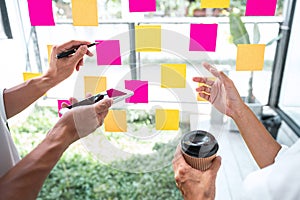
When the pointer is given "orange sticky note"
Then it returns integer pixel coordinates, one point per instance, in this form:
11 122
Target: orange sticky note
201 84
215 3
94 84
30 75
85 12
250 57
148 38
115 121
173 75
49 49
167 119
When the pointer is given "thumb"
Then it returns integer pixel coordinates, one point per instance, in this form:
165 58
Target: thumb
81 51
216 164
225 79
103 105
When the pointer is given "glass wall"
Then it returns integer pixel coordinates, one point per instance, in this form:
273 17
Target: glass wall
289 100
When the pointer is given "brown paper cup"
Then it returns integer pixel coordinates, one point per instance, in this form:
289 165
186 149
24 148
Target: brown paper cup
199 148
199 163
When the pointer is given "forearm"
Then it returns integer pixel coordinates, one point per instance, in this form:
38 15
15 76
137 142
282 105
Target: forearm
261 144
18 98
27 177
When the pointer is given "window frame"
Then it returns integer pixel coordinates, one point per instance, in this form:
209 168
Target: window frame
279 67
5 20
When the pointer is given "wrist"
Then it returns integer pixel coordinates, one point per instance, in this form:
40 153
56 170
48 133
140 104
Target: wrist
240 111
49 81
61 136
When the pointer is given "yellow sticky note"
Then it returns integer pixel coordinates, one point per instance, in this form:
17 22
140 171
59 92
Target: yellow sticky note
167 119
49 48
148 38
201 84
250 57
115 121
215 3
94 84
30 75
173 75
85 12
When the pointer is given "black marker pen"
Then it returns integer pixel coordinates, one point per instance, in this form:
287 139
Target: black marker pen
67 53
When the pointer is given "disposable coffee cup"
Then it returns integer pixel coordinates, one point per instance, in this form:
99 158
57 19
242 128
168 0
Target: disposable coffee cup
199 148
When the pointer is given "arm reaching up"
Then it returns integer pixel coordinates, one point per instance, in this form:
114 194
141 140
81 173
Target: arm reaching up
223 95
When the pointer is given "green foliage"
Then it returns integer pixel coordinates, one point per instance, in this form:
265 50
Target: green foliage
256 34
78 176
238 30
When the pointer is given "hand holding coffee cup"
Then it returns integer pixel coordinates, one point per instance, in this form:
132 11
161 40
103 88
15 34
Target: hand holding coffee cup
199 148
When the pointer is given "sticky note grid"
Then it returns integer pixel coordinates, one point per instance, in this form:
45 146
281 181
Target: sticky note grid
40 13
94 84
203 37
115 121
140 89
260 8
215 3
167 119
173 75
85 13
250 57
142 5
108 52
148 38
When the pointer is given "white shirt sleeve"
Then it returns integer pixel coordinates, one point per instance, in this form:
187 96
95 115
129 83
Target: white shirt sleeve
2 107
277 181
281 152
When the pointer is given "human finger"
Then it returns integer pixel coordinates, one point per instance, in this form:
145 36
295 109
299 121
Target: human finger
203 80
80 63
101 117
88 95
211 69
103 105
71 45
89 53
73 100
64 105
204 96
77 57
203 88
216 163
178 157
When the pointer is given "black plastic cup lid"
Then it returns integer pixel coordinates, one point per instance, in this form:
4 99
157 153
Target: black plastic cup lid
199 144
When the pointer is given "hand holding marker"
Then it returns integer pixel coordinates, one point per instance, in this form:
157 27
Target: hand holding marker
67 53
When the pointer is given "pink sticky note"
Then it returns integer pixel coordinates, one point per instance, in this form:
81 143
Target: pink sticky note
59 105
203 37
108 52
40 12
260 8
142 5
140 89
